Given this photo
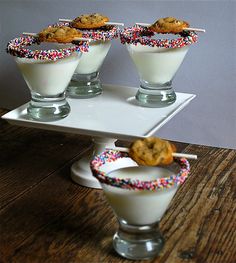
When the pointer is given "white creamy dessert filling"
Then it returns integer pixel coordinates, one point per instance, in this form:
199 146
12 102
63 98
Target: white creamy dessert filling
139 207
155 64
92 60
47 77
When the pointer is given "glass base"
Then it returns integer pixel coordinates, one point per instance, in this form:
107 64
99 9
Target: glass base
84 86
138 242
48 108
156 96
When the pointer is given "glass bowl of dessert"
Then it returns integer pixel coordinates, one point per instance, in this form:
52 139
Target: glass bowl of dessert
139 196
85 82
47 70
157 56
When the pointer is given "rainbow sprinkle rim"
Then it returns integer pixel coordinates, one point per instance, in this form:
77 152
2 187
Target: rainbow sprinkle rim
16 47
103 33
131 184
143 36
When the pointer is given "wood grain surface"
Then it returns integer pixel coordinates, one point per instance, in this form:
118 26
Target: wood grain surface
45 217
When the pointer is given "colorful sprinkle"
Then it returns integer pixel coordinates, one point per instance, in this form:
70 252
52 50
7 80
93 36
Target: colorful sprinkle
16 47
143 36
128 183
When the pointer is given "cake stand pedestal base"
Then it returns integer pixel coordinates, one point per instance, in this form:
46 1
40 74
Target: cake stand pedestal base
100 117
80 170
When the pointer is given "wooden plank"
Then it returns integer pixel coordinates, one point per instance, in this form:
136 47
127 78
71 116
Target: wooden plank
46 204
59 221
200 225
45 217
3 111
28 156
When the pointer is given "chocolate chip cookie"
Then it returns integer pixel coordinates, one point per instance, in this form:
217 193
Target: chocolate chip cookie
152 151
169 25
60 34
89 21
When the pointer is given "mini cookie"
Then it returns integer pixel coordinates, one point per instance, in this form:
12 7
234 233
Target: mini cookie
89 21
152 151
169 25
60 34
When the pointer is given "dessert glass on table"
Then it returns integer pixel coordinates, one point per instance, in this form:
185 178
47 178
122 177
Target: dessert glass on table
47 72
139 196
85 82
157 57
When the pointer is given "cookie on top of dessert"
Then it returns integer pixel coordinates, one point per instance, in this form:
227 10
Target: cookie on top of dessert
89 21
59 34
169 25
152 151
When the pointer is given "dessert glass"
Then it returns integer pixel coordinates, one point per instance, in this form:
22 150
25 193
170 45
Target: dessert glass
157 61
85 82
47 73
139 196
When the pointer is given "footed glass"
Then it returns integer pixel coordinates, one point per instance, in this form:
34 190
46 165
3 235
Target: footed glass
47 81
157 57
47 69
157 68
85 82
139 197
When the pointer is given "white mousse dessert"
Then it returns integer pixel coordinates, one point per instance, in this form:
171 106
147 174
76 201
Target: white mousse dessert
157 57
139 196
139 207
93 59
47 70
85 82
157 64
47 77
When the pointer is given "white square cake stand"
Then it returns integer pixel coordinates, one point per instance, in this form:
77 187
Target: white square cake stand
106 118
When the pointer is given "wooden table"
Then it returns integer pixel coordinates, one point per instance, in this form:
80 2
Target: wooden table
45 217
